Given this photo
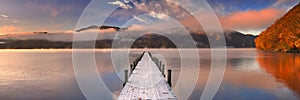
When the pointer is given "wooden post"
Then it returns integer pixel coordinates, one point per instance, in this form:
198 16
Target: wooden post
150 54
143 53
126 77
159 66
169 81
134 63
163 70
141 57
130 71
132 67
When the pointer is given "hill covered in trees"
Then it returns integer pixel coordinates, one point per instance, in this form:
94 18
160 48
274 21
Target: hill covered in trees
283 35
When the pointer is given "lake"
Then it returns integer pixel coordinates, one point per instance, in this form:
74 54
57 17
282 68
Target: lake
249 75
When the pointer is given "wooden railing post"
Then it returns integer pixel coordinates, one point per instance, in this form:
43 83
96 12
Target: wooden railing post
159 66
130 71
169 81
126 77
163 70
134 63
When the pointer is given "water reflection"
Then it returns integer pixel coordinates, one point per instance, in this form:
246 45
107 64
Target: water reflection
285 67
244 79
250 75
37 75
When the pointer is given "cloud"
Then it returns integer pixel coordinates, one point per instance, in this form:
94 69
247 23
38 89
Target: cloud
109 30
98 29
102 31
139 19
7 29
158 9
243 21
52 9
160 16
4 16
280 2
136 27
141 6
59 35
251 19
44 7
36 35
191 23
120 4
242 18
168 27
8 19
285 3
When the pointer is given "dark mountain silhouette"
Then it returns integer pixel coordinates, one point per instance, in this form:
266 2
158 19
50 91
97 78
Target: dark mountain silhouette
283 35
233 39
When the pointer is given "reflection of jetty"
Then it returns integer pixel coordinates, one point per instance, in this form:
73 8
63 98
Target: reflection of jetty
146 80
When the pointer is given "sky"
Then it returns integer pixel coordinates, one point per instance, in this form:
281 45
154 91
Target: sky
19 17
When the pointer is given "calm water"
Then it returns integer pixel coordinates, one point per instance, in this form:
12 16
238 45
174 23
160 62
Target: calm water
249 75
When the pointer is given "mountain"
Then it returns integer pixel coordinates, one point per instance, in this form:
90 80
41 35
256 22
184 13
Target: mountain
232 38
283 35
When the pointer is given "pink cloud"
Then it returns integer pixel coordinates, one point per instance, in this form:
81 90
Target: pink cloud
251 19
7 29
241 21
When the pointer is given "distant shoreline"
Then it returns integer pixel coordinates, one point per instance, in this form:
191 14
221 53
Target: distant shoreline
114 48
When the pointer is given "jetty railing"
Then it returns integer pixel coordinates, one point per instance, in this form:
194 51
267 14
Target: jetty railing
146 80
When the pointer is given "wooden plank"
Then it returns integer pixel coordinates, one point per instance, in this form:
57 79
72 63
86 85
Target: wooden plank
146 82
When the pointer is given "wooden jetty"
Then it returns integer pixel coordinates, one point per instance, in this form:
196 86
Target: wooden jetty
147 80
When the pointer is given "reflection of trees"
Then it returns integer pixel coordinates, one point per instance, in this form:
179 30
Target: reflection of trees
285 67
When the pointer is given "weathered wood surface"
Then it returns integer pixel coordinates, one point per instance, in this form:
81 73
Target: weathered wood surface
146 82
